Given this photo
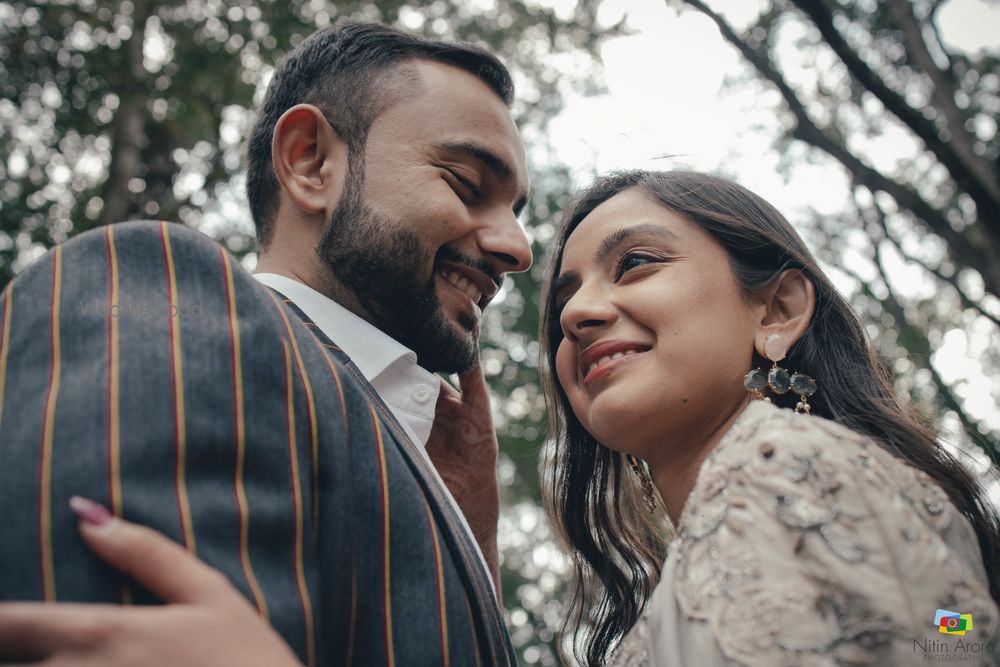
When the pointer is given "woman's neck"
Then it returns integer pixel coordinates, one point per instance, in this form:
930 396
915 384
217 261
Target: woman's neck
675 475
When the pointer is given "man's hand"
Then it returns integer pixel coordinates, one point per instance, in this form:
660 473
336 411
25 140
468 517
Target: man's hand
463 447
205 623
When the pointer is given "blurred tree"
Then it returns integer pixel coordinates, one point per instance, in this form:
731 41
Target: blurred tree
860 80
118 110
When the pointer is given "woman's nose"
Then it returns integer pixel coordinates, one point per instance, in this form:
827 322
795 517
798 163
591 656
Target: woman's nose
589 307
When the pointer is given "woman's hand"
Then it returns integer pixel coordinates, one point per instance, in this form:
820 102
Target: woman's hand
463 447
205 621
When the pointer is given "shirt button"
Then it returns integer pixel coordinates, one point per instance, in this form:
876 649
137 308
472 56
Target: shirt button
421 393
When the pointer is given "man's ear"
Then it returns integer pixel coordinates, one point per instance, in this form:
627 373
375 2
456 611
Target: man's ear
786 307
310 159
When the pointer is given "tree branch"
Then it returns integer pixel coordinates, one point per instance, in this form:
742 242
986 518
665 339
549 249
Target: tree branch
984 257
979 180
964 166
922 357
937 273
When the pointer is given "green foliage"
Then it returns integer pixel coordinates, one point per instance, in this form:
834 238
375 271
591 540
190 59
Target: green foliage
166 91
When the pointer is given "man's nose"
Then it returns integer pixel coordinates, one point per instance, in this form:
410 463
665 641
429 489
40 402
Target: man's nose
504 241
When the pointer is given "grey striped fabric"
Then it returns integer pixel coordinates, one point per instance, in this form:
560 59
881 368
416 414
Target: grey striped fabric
142 367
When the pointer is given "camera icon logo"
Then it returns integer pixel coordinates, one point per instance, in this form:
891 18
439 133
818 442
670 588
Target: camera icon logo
952 622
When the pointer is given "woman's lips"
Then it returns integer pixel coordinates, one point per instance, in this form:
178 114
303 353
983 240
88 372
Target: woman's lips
605 364
601 358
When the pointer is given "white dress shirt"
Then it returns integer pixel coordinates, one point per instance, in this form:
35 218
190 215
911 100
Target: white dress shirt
409 391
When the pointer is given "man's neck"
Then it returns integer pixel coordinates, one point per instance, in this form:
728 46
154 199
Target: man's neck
307 270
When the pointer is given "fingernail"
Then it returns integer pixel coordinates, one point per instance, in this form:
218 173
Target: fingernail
88 511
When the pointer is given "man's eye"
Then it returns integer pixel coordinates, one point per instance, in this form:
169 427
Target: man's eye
466 188
632 260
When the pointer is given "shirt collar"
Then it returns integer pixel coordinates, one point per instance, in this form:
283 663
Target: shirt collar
408 390
370 348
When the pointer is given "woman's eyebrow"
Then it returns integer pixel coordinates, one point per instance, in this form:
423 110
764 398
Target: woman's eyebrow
616 238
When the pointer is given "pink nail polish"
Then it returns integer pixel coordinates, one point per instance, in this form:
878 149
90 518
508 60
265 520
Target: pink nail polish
88 511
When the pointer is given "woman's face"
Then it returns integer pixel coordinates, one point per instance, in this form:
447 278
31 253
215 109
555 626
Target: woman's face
656 334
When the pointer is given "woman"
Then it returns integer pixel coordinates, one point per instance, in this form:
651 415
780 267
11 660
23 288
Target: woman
831 538
826 539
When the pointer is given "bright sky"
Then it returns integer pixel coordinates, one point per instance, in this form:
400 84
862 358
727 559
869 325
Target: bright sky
666 97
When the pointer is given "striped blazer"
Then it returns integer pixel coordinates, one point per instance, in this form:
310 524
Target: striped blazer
141 366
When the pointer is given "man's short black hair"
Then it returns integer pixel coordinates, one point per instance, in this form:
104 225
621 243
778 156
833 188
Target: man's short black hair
345 71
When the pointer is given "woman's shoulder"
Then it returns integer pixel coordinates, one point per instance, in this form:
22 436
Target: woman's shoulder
816 458
803 539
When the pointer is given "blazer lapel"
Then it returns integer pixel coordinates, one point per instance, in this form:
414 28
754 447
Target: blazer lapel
479 579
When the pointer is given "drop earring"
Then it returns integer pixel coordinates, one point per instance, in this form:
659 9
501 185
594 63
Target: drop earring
778 380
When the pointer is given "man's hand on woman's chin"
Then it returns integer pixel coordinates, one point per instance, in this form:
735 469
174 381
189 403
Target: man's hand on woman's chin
205 621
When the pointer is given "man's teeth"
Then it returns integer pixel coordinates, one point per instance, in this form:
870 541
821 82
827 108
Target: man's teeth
462 283
611 357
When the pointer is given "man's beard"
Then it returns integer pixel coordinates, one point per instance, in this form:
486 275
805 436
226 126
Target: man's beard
380 261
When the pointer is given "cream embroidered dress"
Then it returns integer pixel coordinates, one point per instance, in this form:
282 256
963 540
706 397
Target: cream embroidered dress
805 544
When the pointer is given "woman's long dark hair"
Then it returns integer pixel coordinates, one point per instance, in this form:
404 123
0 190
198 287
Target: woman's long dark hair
590 493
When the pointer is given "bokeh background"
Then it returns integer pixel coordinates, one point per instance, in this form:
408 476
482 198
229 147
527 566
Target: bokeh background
871 124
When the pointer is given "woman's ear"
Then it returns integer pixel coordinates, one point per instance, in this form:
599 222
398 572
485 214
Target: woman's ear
786 307
310 160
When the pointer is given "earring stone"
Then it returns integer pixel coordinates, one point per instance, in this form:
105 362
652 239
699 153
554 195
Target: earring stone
802 384
778 380
774 348
756 382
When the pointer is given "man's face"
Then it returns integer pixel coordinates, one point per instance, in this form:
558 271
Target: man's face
427 226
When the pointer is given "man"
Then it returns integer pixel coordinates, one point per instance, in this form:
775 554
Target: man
385 177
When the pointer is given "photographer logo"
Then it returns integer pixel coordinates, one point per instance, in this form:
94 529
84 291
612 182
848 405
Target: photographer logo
957 648
952 622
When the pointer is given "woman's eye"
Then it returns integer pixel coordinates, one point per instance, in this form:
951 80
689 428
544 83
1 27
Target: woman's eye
632 260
